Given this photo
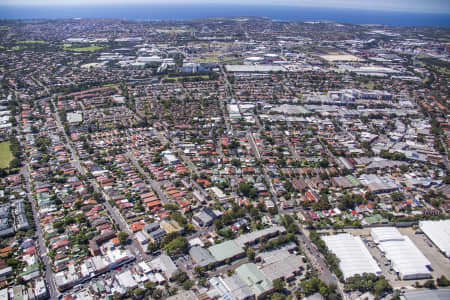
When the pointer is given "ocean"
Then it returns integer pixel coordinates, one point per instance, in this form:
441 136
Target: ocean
196 11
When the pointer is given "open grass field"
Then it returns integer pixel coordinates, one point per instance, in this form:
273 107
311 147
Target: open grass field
30 42
205 77
207 58
91 48
5 155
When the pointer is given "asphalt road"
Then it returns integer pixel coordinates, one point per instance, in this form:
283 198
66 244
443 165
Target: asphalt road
155 186
48 273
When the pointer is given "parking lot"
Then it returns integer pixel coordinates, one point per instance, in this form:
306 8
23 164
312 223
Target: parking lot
439 263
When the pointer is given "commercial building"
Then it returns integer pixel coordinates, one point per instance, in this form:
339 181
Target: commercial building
379 184
254 68
164 264
226 250
405 258
126 280
186 295
204 217
218 194
201 256
285 266
252 237
440 294
353 255
231 287
255 279
439 233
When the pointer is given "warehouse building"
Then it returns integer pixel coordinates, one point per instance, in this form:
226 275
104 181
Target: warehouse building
405 258
231 287
201 256
286 267
258 283
379 184
228 250
354 258
440 294
252 237
439 233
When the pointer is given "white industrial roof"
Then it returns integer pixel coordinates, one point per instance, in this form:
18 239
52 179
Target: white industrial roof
353 255
381 234
439 233
405 257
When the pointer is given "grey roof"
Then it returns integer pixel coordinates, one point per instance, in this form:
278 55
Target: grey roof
315 296
187 295
203 217
284 268
238 288
165 264
157 234
440 294
225 250
201 256
4 210
249 238
151 227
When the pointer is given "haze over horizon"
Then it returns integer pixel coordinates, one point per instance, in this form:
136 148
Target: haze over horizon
431 6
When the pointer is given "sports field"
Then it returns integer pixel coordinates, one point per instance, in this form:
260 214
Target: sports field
5 155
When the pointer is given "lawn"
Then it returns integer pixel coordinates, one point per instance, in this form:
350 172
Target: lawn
207 58
30 42
369 85
5 155
206 77
91 48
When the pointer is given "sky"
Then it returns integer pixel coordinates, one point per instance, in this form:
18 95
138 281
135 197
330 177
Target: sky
436 6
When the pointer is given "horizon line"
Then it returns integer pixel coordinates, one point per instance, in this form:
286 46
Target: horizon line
113 4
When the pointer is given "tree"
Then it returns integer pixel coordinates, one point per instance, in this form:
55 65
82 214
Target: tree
187 285
277 296
152 247
199 270
443 281
139 293
380 287
15 163
176 246
123 237
179 276
429 284
324 163
250 254
149 285
397 196
157 293
278 285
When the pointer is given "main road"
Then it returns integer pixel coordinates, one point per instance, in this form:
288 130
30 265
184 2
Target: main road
48 273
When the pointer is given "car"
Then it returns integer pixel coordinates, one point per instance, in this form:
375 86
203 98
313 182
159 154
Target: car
118 269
